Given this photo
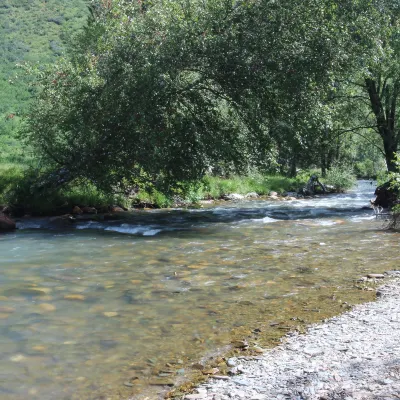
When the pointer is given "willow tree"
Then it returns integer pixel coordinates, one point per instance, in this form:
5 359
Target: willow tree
166 90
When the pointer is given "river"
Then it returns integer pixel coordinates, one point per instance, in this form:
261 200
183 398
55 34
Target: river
113 310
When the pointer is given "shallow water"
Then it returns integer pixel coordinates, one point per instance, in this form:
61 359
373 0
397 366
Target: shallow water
102 310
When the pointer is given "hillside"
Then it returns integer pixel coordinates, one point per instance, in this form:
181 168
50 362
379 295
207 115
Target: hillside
30 31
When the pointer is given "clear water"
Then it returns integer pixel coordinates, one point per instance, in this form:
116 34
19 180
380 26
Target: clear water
84 310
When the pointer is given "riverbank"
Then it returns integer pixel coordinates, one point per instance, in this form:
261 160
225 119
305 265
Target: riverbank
352 356
27 192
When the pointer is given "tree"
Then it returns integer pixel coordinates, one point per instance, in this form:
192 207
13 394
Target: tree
167 90
372 86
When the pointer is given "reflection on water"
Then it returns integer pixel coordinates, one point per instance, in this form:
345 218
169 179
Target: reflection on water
91 312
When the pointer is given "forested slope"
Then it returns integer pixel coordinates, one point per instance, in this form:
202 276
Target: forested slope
33 31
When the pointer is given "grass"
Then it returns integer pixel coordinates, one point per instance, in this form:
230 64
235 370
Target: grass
19 189
215 187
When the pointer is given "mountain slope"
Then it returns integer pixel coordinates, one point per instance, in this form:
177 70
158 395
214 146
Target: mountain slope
31 31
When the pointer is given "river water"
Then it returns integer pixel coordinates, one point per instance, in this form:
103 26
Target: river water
107 310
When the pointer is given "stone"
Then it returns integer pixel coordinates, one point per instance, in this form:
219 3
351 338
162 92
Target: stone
251 195
77 211
258 350
273 194
89 210
313 352
198 366
74 297
161 382
240 344
110 314
6 223
7 310
241 382
18 358
211 371
39 348
236 370
231 362
47 307
25 292
233 197
375 276
220 377
62 221
196 396
117 209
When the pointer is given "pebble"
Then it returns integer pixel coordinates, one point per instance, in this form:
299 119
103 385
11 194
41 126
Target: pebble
80 297
375 276
110 314
18 358
196 396
211 371
47 307
352 357
231 362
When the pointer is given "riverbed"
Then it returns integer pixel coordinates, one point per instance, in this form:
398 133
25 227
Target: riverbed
120 309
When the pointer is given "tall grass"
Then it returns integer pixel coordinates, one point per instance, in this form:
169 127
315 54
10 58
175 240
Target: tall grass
215 187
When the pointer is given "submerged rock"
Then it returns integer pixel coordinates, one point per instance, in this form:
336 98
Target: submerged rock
78 297
6 223
62 221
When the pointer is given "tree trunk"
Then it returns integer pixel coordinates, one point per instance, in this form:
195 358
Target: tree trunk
390 147
383 99
293 169
323 165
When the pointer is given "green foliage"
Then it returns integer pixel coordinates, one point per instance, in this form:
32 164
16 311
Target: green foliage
369 169
36 32
32 31
10 174
155 96
26 191
251 78
153 198
215 187
340 177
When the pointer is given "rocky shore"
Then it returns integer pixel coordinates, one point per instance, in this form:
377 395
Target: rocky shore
355 356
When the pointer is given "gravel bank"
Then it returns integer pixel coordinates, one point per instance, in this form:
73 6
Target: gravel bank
352 356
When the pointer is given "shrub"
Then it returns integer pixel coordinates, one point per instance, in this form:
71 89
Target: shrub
10 174
340 178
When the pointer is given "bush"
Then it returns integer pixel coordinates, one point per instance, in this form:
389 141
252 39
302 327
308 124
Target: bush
340 178
10 174
29 191
368 169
